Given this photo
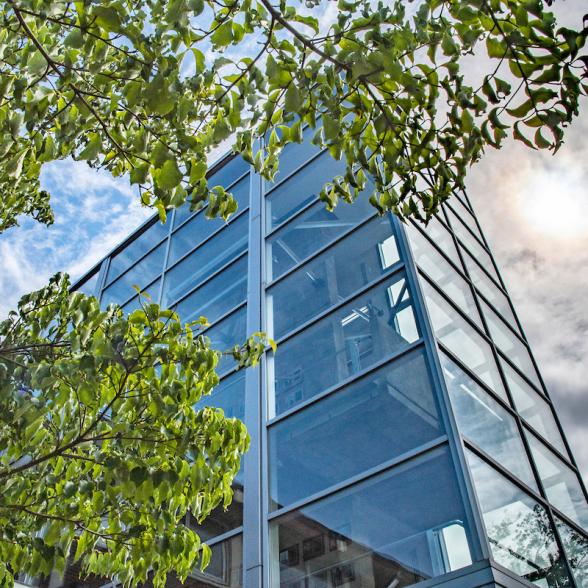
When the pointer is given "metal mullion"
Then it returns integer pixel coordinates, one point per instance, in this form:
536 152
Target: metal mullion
127 300
545 441
224 536
294 216
543 393
207 239
350 380
397 268
475 531
320 251
389 465
224 316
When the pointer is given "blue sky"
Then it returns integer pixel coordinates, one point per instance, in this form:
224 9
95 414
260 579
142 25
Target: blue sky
532 206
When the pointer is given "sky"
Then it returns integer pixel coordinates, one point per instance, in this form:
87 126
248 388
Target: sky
533 208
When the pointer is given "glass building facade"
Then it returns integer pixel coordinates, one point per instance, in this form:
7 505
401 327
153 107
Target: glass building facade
402 434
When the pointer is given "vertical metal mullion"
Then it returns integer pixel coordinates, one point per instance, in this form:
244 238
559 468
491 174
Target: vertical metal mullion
476 530
170 222
102 272
252 507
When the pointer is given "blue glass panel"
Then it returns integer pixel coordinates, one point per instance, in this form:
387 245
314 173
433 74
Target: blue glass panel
206 260
391 411
438 233
90 285
217 296
389 531
140 275
229 332
371 327
520 534
152 291
136 249
224 177
199 228
465 215
575 547
333 276
482 420
302 188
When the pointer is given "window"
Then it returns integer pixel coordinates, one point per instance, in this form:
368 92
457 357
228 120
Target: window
89 286
533 408
387 413
484 422
560 482
519 531
455 333
465 215
575 547
225 567
336 274
226 334
373 326
437 232
148 295
141 274
380 533
206 260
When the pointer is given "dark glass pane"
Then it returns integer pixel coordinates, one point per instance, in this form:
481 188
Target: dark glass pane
437 232
140 275
89 286
217 296
224 335
520 534
385 414
396 529
560 482
373 326
485 422
575 546
336 274
136 249
301 188
199 228
152 292
206 260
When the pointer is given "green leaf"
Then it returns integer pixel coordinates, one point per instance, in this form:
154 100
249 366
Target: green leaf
170 175
158 98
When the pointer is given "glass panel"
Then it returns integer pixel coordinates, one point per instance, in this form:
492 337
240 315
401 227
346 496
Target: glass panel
136 249
465 215
442 273
336 274
510 344
199 228
575 546
533 408
478 251
560 482
143 273
437 232
489 289
225 567
224 335
89 286
487 424
310 231
373 326
301 188
224 177
217 296
152 290
390 411
382 533
206 260
462 339
520 534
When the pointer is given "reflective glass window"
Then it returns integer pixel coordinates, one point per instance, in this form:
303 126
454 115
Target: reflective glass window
485 422
149 295
371 327
301 189
462 339
465 215
225 568
575 547
533 408
225 176
561 483
135 249
390 411
218 295
489 289
510 344
206 260
311 230
442 273
89 286
472 244
140 275
381 533
226 334
437 232
519 531
333 276
198 228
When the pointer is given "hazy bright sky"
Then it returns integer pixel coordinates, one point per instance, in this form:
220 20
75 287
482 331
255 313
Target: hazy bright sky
532 206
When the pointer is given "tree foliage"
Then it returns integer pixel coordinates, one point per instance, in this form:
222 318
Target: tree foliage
102 451
149 88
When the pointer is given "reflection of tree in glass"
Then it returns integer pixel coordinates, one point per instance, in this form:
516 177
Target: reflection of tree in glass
576 548
525 544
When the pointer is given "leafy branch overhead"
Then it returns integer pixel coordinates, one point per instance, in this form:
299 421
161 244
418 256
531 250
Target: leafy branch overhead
102 451
149 88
